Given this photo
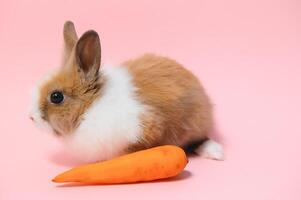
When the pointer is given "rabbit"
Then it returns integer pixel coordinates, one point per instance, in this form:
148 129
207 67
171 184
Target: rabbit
101 112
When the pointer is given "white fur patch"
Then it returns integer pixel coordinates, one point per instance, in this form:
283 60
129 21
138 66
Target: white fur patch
34 109
212 150
111 123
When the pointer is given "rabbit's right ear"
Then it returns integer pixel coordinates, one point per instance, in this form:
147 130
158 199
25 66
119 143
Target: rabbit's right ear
70 39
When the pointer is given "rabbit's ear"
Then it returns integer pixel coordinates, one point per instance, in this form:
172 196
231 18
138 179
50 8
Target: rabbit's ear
88 53
70 39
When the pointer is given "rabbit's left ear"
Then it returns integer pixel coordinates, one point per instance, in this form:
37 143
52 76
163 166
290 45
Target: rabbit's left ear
70 39
88 54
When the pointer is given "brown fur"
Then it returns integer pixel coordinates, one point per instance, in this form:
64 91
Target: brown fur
78 97
180 109
79 80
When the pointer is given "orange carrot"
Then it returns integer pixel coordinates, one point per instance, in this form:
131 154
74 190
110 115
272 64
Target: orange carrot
146 165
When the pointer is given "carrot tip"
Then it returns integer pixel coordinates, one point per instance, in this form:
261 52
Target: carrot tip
63 179
57 179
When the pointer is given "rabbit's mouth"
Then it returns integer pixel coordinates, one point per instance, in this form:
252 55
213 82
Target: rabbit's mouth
40 123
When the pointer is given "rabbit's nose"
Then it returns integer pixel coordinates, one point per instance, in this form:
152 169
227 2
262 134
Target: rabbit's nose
31 118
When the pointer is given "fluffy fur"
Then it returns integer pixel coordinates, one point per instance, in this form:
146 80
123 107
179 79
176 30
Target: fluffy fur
110 111
35 112
180 109
212 150
112 122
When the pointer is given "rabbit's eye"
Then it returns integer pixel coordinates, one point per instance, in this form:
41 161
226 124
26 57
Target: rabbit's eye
56 97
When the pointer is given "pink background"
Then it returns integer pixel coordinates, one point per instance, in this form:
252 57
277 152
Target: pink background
247 53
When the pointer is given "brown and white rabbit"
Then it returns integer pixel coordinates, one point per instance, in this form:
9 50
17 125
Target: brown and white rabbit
101 112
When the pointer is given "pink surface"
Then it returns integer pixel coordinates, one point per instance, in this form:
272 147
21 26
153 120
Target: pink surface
247 54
